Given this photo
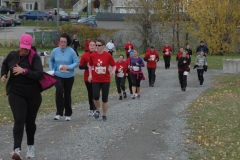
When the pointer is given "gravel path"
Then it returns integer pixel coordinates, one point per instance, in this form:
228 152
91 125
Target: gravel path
152 128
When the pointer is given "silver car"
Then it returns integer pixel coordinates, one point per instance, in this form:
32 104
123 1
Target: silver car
75 15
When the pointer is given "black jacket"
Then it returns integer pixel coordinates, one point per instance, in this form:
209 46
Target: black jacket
202 48
75 43
183 66
189 51
22 83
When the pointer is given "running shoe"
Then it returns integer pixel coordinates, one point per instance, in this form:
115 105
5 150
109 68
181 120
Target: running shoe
96 114
16 154
138 96
90 113
124 95
133 96
104 118
120 97
58 117
67 118
30 151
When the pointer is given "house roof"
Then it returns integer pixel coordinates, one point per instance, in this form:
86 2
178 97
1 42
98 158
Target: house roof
110 16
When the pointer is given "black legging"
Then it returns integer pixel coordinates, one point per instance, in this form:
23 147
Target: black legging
75 49
90 95
151 75
120 82
167 61
63 95
129 83
200 75
24 109
136 79
182 79
97 87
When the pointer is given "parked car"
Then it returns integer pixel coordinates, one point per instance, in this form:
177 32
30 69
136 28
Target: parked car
64 17
90 21
4 10
15 21
36 14
2 23
53 9
7 21
75 15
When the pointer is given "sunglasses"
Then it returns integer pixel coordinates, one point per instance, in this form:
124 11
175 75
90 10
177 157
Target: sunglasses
98 45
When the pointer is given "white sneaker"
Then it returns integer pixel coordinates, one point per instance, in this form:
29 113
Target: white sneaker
58 117
30 151
90 113
68 118
16 154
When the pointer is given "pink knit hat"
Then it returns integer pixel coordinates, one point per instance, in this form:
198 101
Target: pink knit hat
26 41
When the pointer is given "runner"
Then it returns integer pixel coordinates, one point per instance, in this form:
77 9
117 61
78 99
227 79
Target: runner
120 77
99 75
189 52
128 73
166 50
128 47
151 57
75 44
62 61
136 64
200 63
179 54
86 46
183 70
24 93
110 46
203 48
84 65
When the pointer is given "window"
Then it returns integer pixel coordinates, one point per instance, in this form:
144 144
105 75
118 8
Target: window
29 7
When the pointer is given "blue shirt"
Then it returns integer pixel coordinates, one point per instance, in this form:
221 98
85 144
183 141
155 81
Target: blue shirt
63 57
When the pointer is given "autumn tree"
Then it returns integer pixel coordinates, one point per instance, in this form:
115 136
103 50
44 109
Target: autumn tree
215 22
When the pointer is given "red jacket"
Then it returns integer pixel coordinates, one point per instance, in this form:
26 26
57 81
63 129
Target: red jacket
83 64
86 47
126 47
151 58
179 54
123 66
166 50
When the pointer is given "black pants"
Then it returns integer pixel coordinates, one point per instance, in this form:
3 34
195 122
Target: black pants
200 75
167 61
120 82
128 55
136 79
63 95
151 75
182 79
129 83
97 87
75 49
24 109
90 95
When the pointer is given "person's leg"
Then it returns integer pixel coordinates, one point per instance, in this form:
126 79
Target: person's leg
180 74
153 75
59 96
90 96
165 61
201 71
67 95
32 110
138 81
118 82
75 49
19 110
105 92
129 83
122 83
199 74
168 59
149 76
127 55
133 78
96 94
184 81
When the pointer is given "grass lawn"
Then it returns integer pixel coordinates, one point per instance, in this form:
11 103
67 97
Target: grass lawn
79 94
214 120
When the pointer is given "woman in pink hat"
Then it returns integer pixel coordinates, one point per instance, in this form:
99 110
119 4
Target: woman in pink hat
24 92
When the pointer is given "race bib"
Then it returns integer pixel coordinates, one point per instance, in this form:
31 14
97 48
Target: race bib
152 57
185 73
121 74
100 70
136 68
63 70
166 53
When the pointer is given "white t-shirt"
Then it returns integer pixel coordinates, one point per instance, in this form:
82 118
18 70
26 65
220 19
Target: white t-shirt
110 45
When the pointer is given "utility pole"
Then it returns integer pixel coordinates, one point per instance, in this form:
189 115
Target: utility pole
57 13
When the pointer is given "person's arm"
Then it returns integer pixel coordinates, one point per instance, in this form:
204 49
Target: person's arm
196 61
145 58
141 63
75 61
82 63
51 61
37 69
5 67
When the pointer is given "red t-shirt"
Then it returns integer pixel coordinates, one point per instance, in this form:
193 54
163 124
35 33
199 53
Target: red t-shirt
83 62
100 64
153 56
122 65
128 61
167 50
126 47
179 54
86 47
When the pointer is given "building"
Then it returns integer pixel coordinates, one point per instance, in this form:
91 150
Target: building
26 5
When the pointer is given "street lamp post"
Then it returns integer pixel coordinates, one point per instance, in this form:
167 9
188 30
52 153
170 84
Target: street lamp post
87 8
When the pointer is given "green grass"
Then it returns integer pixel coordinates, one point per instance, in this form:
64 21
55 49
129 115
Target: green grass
79 94
41 23
214 120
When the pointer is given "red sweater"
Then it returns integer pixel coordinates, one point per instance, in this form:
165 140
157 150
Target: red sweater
179 54
166 50
83 62
123 66
86 47
100 64
126 47
153 56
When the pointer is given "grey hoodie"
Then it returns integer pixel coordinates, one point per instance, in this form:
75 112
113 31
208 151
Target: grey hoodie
200 61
